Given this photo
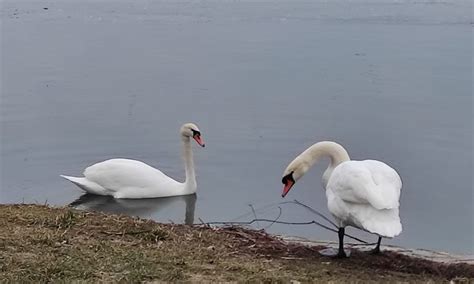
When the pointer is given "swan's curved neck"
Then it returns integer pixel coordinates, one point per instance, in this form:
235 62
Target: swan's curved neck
334 151
190 183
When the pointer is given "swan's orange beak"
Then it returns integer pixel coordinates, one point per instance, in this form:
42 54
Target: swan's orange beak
198 139
288 185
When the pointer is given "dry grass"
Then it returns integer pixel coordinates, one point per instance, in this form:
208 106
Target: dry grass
42 244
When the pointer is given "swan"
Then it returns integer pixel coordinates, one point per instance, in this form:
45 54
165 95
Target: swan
363 194
125 178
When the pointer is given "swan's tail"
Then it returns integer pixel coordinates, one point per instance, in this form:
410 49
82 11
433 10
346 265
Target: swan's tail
86 185
385 223
75 180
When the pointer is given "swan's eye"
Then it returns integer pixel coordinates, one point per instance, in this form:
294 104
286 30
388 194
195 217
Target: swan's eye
288 177
196 133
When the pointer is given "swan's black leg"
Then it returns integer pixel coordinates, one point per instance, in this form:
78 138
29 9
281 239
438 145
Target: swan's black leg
376 250
341 253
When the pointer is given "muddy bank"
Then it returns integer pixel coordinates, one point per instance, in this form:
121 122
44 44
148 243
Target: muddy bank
436 256
39 243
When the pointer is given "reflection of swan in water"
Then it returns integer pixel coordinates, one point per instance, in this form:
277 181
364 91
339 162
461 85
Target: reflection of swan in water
144 208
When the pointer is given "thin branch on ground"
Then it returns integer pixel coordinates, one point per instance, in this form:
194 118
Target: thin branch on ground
127 233
254 213
285 223
277 218
314 211
258 210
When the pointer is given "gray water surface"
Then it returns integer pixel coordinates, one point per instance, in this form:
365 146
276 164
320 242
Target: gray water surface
84 81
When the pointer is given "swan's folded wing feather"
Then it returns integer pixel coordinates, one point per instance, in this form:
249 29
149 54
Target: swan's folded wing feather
385 222
117 174
388 183
366 182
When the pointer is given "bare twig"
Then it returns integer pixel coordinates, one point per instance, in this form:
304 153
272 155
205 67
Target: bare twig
203 223
278 217
285 223
254 213
363 244
276 220
257 210
127 233
314 211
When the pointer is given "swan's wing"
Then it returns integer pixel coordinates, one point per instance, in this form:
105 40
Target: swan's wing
366 182
387 181
385 222
117 174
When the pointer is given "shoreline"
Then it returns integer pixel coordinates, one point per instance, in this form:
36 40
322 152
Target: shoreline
427 254
41 243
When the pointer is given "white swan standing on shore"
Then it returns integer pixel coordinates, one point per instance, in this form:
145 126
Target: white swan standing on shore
124 178
363 194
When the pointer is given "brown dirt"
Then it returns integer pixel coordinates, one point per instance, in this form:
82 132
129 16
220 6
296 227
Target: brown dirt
42 244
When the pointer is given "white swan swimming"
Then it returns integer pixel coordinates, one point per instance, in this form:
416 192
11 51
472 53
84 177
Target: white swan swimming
363 194
124 178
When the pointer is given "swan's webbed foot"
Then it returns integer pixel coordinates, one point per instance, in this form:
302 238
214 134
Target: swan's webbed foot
330 252
376 250
339 253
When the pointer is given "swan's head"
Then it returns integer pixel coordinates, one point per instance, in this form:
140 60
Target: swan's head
191 130
295 170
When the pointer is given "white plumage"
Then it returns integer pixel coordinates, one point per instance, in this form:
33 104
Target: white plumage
125 178
363 194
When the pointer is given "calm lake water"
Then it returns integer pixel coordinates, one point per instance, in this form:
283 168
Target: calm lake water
84 81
